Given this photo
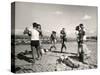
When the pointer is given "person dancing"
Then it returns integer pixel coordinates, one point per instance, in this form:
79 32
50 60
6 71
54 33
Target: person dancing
53 40
63 39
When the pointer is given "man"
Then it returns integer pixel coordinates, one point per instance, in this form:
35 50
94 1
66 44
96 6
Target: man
63 39
53 40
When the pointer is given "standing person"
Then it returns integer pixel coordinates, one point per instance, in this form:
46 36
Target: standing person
77 38
80 39
53 40
40 37
35 41
63 39
80 32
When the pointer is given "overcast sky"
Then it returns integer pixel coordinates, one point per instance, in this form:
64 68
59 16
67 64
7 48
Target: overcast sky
55 17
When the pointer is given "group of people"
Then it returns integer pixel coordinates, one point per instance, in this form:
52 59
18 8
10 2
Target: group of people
63 38
35 33
80 32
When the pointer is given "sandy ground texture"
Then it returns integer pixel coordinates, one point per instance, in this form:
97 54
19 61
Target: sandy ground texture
48 62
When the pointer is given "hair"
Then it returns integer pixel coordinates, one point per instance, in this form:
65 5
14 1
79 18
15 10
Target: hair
38 25
81 25
34 24
54 32
77 28
63 28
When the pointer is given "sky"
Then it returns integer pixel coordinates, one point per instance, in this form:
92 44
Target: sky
55 17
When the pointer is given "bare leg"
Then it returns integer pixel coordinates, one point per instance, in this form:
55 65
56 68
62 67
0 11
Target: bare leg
33 54
38 52
50 48
40 47
55 47
65 46
81 53
62 48
78 50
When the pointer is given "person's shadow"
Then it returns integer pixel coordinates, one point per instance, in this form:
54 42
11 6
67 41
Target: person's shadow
64 52
22 56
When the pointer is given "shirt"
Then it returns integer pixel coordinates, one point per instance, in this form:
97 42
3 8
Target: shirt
34 34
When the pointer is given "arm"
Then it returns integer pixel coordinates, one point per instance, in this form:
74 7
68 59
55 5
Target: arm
27 31
40 32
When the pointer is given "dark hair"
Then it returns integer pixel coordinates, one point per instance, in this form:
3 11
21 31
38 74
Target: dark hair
54 32
38 25
81 25
34 24
63 28
77 28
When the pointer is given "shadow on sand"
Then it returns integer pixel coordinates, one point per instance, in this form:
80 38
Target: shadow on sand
64 52
22 56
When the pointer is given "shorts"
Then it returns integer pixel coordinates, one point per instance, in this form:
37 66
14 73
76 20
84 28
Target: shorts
35 43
